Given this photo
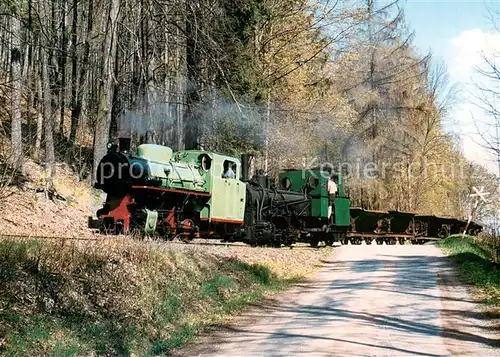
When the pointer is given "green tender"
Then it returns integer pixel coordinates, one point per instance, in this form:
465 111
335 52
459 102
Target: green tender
315 183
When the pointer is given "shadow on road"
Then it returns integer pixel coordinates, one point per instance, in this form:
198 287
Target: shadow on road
407 282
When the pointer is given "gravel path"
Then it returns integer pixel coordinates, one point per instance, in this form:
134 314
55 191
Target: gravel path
366 301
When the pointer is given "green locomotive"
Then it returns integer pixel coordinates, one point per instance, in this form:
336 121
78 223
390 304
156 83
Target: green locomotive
195 193
328 218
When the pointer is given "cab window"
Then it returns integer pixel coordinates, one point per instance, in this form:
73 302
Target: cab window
229 169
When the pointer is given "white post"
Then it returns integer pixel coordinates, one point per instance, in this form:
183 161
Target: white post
470 217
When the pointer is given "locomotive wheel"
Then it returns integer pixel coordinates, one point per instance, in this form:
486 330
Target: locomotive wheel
108 226
379 241
276 244
369 241
401 241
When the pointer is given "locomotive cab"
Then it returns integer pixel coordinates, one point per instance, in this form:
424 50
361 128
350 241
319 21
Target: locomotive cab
314 182
227 201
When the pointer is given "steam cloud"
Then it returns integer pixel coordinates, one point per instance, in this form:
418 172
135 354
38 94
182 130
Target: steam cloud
220 118
153 118
227 126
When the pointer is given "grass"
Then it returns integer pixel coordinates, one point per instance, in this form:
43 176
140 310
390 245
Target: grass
476 264
119 296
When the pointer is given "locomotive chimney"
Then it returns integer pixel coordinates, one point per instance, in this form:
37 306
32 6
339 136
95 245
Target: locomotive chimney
245 167
124 145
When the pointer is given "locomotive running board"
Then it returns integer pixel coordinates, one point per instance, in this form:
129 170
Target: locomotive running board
194 193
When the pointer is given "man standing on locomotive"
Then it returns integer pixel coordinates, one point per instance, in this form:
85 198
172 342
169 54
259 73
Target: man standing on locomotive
332 191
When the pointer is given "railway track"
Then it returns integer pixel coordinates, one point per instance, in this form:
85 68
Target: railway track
35 237
353 239
387 238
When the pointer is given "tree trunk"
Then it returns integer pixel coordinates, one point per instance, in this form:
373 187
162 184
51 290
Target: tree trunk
15 62
39 120
267 127
75 110
52 60
62 66
77 83
373 117
267 130
101 134
180 87
49 124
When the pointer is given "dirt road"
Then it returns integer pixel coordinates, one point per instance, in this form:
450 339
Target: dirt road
366 301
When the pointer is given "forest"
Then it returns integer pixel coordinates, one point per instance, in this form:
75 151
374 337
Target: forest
296 83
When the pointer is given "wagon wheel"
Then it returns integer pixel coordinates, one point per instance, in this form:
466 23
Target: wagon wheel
391 241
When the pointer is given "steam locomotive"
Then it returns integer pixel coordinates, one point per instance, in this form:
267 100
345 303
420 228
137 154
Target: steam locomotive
186 194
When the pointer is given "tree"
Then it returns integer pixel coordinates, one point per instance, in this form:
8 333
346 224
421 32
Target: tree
15 67
101 133
488 101
48 114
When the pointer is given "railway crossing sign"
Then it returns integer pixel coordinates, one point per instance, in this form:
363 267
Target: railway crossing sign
479 194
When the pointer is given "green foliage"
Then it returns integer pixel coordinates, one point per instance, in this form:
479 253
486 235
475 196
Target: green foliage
242 21
476 265
211 288
260 273
179 337
65 300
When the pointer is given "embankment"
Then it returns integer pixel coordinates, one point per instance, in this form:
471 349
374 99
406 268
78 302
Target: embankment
119 296
476 263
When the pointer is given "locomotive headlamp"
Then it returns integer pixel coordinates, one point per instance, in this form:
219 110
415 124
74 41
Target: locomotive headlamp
111 146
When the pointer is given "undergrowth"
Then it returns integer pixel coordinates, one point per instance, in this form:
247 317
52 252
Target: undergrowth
476 264
117 297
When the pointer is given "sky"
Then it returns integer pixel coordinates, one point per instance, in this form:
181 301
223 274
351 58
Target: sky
456 32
